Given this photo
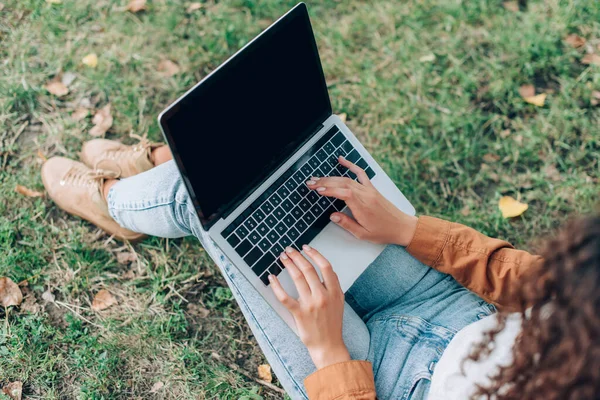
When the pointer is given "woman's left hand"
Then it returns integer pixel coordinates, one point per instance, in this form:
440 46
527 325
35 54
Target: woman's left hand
319 310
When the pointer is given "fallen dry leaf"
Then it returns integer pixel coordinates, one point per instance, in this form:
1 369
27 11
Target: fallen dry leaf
591 58
197 310
48 297
505 133
80 114
491 158
1 6
168 68
575 40
13 390
91 60
511 207
30 305
156 387
511 5
427 58
136 6
103 300
527 90
595 98
193 7
343 117
68 78
54 1
41 156
552 173
57 88
28 192
538 100
465 211
102 120
10 294
264 373
126 257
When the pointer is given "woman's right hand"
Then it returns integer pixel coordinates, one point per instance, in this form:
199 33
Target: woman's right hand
376 219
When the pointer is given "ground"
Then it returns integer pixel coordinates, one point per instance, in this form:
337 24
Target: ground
431 87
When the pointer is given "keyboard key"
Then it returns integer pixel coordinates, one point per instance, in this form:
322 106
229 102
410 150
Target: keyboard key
323 202
263 264
250 223
274 269
347 146
227 231
312 197
289 220
287 205
233 240
276 249
271 221
338 139
370 172
352 175
306 169
297 212
254 237
332 161
353 156
253 256
281 228
323 170
299 177
285 241
258 215
316 210
241 232
293 234
265 245
262 229
301 226
341 169
339 204
266 207
334 172
283 192
265 279
339 152
328 148
302 189
273 236
321 155
362 163
315 228
290 184
275 199
314 162
278 213
304 205
308 219
295 197
243 248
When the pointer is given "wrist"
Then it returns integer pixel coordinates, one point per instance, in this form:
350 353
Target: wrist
324 357
406 229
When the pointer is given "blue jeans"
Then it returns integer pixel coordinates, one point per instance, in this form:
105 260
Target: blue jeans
400 314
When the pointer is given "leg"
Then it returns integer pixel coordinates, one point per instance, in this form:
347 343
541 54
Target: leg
156 203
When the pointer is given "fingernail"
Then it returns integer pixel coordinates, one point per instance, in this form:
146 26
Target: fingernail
283 256
342 157
289 250
335 218
315 178
310 182
321 189
271 277
306 247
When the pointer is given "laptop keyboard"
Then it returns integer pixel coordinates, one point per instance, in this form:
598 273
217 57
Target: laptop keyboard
288 213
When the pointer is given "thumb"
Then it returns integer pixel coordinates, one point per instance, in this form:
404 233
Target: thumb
349 224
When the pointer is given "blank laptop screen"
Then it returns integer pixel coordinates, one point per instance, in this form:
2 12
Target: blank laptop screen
231 131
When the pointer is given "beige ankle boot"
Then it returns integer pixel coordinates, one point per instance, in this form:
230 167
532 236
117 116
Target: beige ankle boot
77 189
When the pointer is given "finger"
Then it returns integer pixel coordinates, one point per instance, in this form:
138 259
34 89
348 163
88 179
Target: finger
281 295
330 181
349 224
330 278
362 175
310 274
297 276
338 193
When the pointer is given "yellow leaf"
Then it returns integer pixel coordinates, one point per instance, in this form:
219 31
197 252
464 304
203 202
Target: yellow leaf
427 58
511 207
28 192
91 60
103 300
343 117
136 6
264 373
10 294
537 100
57 88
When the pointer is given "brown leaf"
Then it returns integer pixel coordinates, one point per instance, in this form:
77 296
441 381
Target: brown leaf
57 88
264 373
80 114
156 387
591 58
13 390
575 40
491 158
1 6
136 6
552 173
197 310
511 5
343 117
193 7
103 300
102 120
465 211
30 305
537 100
595 98
10 294
505 133
126 257
527 91
28 192
511 207
168 68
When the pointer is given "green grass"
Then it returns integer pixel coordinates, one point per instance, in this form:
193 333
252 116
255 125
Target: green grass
429 123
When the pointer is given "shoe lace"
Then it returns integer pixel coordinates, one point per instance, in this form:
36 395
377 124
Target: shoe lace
83 177
143 144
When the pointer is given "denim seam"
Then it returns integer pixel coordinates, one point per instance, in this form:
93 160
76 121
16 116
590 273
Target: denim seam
133 206
257 324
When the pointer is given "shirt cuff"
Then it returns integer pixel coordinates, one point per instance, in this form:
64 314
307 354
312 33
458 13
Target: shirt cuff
336 380
429 240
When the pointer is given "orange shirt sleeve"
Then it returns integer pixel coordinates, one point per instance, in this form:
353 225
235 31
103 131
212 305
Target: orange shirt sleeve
491 268
342 381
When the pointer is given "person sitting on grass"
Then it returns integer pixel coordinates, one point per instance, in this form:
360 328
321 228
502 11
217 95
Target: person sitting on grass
418 323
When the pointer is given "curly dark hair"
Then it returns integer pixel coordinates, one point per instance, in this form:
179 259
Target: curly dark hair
557 353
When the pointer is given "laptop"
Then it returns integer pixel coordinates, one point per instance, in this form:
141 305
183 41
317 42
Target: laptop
248 137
